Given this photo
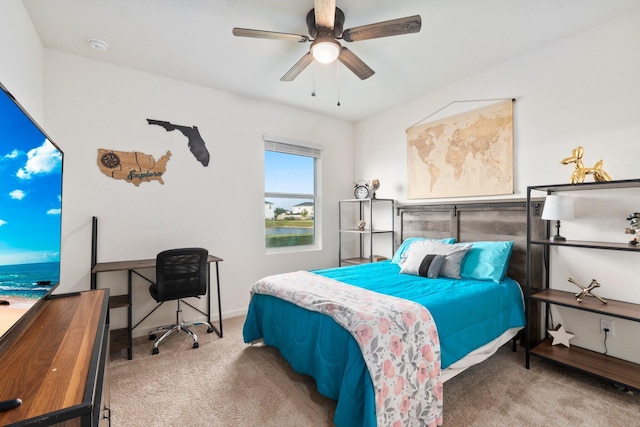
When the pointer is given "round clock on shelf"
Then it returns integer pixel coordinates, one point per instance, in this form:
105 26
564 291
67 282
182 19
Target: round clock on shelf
361 190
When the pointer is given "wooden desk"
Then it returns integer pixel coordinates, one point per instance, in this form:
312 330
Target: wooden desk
57 364
126 335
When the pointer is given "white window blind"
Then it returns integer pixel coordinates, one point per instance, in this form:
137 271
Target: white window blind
282 145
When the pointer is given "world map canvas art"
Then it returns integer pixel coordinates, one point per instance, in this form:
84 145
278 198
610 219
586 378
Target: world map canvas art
469 154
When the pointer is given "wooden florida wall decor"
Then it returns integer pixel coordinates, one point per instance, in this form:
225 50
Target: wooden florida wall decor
194 140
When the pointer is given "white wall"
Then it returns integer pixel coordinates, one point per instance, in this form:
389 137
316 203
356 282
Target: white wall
91 105
21 68
583 90
580 91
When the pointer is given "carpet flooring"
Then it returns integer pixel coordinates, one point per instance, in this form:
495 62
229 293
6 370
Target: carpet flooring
228 383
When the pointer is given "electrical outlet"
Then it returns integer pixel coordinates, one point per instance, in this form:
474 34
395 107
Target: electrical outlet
606 324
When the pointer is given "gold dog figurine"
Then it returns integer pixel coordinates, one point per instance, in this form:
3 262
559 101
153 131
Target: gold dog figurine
580 172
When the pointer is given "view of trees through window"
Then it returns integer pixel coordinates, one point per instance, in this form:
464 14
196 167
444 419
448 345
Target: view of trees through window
289 207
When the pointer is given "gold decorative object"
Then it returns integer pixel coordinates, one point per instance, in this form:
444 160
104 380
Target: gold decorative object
375 184
580 172
588 290
361 225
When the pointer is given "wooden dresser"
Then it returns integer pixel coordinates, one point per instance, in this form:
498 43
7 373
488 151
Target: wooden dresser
57 364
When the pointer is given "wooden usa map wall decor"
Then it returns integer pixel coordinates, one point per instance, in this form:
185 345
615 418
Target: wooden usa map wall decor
136 167
132 166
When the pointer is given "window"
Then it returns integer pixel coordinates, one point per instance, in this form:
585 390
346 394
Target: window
290 174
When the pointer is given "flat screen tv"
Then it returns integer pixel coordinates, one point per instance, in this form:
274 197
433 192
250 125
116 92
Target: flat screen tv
30 214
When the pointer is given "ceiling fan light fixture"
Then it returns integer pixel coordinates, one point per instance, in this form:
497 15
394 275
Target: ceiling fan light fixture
325 51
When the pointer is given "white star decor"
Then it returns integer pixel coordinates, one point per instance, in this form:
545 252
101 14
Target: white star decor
560 336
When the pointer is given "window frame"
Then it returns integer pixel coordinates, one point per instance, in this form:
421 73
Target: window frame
289 146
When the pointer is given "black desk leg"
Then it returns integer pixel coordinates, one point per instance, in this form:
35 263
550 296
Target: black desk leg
219 300
129 314
209 296
218 331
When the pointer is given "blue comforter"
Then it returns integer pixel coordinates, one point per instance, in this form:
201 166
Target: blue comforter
468 314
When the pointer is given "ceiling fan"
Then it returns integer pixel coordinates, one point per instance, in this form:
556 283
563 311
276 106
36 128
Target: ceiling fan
325 23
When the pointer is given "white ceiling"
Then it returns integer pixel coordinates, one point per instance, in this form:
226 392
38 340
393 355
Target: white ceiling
191 40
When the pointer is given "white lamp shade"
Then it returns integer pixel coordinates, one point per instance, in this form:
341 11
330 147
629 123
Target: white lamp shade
325 52
558 208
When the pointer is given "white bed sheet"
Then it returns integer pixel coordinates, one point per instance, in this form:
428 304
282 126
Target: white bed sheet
478 355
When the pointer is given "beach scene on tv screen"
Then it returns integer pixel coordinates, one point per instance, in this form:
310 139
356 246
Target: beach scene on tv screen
30 207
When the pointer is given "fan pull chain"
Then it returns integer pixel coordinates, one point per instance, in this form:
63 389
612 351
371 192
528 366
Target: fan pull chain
313 80
338 80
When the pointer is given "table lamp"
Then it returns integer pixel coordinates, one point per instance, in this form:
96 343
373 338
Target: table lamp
558 208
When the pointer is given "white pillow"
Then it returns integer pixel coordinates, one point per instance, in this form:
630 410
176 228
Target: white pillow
454 254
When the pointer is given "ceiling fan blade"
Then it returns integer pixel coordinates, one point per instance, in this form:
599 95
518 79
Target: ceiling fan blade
325 11
355 64
298 68
394 27
260 34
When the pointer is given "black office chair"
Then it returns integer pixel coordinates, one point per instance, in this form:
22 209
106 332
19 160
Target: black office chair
180 273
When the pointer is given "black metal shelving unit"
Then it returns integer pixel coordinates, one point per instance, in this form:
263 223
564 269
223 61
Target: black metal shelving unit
365 211
618 371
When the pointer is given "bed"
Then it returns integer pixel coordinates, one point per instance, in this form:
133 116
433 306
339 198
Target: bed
475 310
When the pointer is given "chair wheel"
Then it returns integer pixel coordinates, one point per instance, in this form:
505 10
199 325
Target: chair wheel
196 345
209 330
155 350
152 337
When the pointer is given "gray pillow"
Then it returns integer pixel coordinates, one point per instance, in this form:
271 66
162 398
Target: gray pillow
454 254
418 264
430 266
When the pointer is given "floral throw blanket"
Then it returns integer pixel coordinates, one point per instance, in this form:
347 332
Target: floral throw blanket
397 337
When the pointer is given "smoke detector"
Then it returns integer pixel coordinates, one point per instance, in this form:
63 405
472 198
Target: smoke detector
98 44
